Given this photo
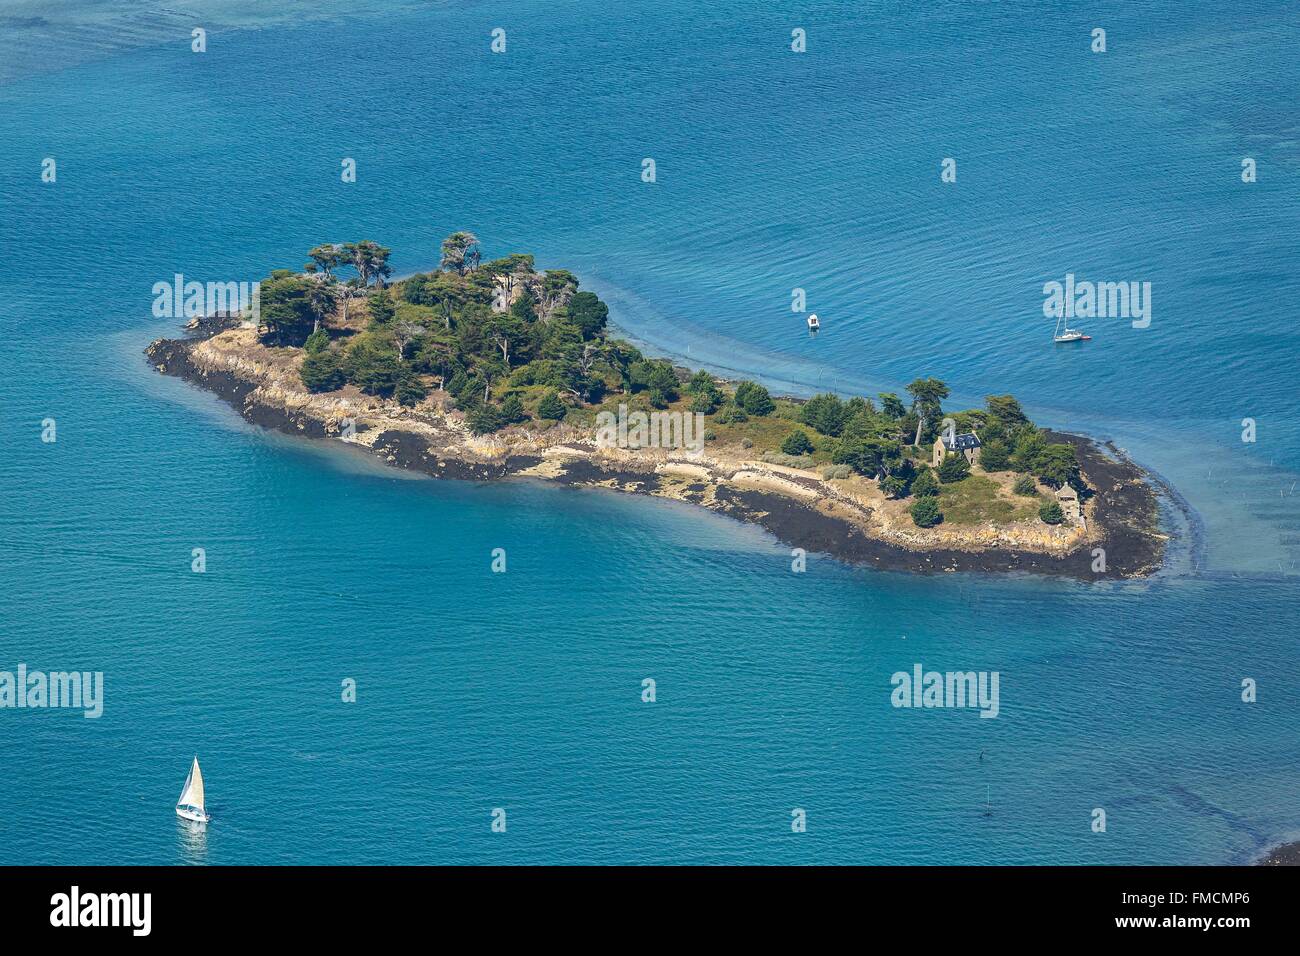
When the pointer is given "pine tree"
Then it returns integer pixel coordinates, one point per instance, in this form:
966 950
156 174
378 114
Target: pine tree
955 467
925 512
925 485
797 443
552 407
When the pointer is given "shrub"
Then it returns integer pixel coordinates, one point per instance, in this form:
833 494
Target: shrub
1051 513
373 367
826 413
797 443
700 382
318 341
925 512
860 454
512 410
486 418
953 469
747 443
551 407
381 308
754 399
657 377
789 461
925 485
1025 485
893 486
836 471
457 384
706 400
322 372
410 390
995 455
731 414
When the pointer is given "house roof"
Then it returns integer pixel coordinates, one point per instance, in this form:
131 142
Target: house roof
1066 491
961 442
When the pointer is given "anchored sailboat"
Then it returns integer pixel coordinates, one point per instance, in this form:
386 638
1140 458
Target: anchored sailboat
1069 335
190 805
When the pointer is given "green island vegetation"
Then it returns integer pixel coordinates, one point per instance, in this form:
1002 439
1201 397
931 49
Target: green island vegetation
510 345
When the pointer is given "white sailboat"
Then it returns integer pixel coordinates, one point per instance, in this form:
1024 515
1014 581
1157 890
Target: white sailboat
1069 335
190 805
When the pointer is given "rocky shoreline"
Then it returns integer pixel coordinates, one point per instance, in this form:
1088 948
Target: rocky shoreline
1288 854
799 508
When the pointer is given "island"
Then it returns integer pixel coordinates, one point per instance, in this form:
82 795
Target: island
483 370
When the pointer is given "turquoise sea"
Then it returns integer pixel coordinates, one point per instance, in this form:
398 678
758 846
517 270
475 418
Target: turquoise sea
522 690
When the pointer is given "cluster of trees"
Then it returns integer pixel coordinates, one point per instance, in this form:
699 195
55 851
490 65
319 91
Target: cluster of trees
487 332
293 305
706 397
367 361
657 379
1011 442
870 439
925 490
748 399
369 259
797 443
888 440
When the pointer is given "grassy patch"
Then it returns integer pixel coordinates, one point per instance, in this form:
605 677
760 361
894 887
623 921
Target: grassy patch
787 410
767 433
976 500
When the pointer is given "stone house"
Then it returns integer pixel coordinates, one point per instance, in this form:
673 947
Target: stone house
968 446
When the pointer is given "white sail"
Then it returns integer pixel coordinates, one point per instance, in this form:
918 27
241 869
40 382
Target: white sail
192 795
